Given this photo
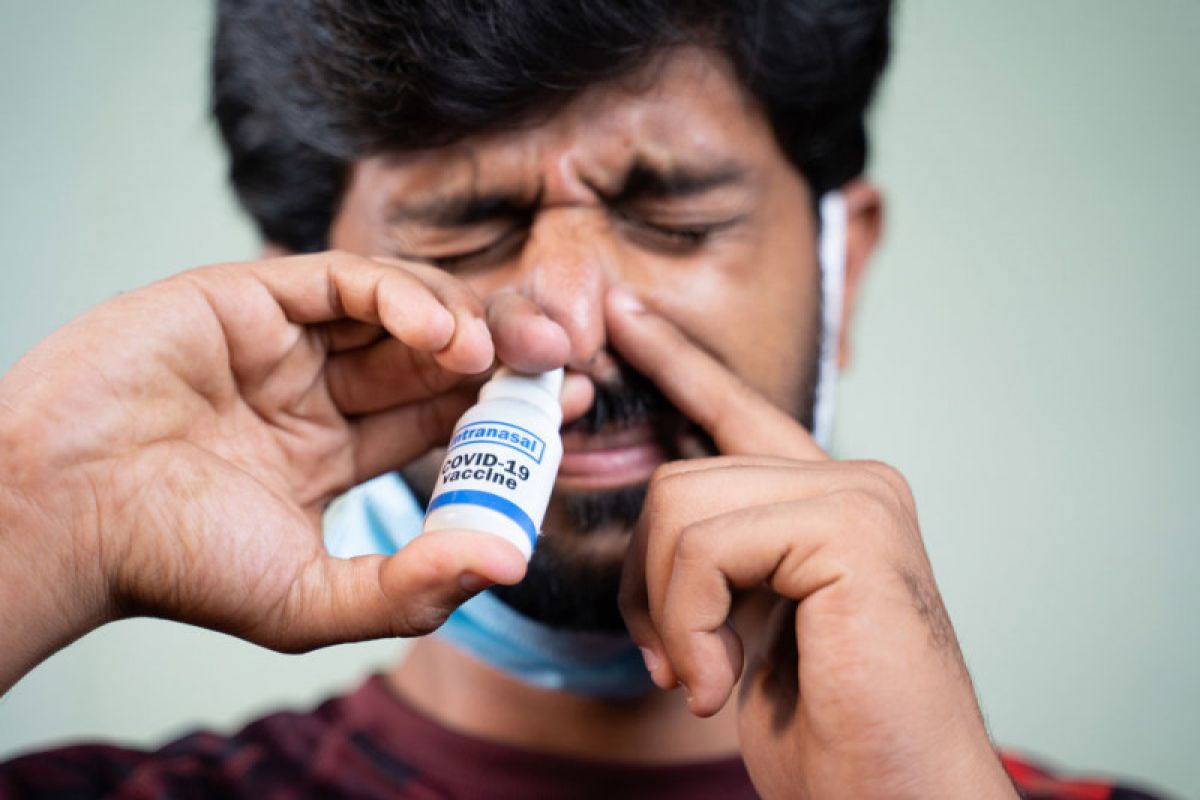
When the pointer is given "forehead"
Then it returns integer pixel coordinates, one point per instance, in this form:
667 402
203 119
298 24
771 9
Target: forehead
683 110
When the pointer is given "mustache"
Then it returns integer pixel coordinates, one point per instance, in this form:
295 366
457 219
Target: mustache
629 400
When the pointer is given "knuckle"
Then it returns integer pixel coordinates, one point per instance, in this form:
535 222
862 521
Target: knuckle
666 498
664 481
889 479
420 620
340 262
860 508
694 545
665 472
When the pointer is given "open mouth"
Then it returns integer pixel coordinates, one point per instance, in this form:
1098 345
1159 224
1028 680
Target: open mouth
611 458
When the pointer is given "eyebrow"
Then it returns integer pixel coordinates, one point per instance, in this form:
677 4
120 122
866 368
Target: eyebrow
641 182
644 181
457 210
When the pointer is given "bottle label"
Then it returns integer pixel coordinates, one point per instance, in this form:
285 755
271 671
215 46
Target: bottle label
500 466
523 441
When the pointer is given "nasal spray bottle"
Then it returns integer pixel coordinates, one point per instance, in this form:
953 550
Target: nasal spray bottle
502 460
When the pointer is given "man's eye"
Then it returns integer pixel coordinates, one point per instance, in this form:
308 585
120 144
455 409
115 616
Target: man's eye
671 238
687 236
491 253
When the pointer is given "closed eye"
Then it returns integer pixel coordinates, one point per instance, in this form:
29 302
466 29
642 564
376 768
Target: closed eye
672 239
491 253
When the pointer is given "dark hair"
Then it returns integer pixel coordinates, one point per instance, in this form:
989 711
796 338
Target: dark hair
300 88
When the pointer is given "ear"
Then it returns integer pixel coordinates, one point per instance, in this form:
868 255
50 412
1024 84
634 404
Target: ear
864 226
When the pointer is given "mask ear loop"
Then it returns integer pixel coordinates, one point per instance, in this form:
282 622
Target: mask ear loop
831 256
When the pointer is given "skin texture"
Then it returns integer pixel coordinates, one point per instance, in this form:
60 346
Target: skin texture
216 413
748 294
715 328
170 452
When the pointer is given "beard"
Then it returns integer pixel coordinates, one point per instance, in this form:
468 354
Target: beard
566 589
574 576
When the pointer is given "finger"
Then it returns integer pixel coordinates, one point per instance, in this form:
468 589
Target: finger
684 493
743 549
634 604
349 334
578 393
739 419
681 493
389 440
408 594
690 490
388 373
797 479
383 375
468 310
428 316
323 287
526 339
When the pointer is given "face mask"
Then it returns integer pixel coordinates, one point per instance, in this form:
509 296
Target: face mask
381 516
831 256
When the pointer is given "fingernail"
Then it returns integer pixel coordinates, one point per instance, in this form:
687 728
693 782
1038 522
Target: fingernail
626 300
472 583
650 659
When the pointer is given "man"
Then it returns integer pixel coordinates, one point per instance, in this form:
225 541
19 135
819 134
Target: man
631 192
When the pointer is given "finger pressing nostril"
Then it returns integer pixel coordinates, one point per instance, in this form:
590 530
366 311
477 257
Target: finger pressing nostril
526 338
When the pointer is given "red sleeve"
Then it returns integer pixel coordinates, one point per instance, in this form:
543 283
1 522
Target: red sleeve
1035 782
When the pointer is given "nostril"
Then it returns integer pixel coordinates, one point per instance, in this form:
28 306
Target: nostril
569 287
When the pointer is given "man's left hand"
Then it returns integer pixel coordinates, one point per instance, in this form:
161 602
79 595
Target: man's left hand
805 578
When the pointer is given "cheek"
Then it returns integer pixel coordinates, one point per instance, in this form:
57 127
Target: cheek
761 324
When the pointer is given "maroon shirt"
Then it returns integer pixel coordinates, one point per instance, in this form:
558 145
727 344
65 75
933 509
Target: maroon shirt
371 744
367 744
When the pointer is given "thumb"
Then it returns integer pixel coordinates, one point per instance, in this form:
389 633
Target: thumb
408 594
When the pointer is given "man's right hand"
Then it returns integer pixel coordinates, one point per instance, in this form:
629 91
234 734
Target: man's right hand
170 452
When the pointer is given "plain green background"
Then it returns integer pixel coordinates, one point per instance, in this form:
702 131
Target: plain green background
1025 353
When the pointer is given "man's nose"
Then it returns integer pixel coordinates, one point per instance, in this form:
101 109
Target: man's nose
568 264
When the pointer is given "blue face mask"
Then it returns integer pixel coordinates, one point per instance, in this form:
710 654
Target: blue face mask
382 516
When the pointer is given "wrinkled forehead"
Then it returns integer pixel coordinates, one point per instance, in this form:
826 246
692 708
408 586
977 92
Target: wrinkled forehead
682 112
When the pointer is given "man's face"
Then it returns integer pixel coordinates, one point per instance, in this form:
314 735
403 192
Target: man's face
669 183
